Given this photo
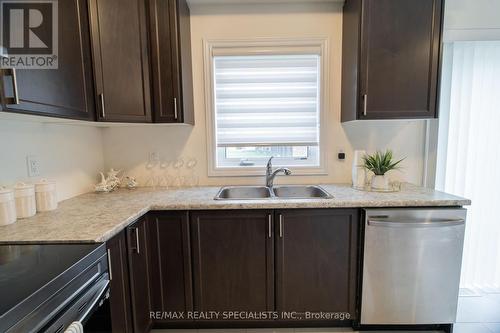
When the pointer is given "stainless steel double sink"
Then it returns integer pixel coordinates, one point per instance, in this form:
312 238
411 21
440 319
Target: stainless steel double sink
278 192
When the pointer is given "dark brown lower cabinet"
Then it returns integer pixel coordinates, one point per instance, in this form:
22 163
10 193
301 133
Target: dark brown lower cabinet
138 261
316 261
276 262
170 269
119 293
233 260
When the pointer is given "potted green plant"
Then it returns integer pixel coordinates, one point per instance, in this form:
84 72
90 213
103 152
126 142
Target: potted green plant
380 163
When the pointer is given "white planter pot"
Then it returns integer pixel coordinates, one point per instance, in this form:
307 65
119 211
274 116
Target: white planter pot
380 183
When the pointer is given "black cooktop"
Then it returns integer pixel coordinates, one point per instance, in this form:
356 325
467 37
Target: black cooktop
26 269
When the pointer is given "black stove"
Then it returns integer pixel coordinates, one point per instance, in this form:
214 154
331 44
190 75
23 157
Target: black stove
38 283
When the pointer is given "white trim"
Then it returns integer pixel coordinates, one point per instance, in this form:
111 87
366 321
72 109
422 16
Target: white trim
425 171
444 116
456 35
265 46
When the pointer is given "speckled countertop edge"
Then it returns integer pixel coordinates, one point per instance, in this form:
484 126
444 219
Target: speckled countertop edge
92 217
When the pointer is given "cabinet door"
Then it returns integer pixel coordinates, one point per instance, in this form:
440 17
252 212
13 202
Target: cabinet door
400 47
170 262
119 295
170 37
137 243
67 91
233 260
316 261
120 54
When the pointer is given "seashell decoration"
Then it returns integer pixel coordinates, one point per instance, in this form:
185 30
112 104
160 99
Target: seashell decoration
109 183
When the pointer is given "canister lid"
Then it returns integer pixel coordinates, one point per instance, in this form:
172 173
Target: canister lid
22 189
45 185
6 194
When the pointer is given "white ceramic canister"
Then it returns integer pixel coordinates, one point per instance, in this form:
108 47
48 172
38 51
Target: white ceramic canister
46 195
25 200
7 206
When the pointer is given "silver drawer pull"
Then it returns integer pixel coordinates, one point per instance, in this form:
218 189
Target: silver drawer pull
269 226
109 265
281 225
137 240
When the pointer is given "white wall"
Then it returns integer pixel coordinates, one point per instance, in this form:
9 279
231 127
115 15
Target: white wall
128 147
70 155
476 14
472 20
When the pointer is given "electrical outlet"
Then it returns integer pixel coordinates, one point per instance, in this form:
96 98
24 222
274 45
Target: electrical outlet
154 157
33 166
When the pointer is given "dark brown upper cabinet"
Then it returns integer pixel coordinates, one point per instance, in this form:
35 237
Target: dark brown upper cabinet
119 294
316 260
233 260
172 86
139 273
67 91
119 41
390 59
170 258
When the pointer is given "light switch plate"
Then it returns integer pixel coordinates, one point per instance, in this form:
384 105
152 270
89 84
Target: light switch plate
33 166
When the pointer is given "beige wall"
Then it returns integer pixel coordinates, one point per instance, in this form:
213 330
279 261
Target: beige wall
70 155
128 147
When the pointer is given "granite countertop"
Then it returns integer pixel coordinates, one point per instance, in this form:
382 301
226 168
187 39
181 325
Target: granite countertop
95 217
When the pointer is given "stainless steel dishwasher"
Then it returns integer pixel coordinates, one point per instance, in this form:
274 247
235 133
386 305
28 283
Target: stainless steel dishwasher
411 265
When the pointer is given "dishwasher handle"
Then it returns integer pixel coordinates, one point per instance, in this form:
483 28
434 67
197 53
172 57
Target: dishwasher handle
399 223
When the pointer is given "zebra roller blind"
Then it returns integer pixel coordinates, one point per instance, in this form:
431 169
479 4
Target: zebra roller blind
270 100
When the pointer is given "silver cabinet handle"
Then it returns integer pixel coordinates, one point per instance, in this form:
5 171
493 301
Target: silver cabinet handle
12 73
281 225
416 224
175 108
109 265
365 103
103 110
137 240
269 226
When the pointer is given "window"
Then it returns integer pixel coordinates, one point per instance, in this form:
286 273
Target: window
265 100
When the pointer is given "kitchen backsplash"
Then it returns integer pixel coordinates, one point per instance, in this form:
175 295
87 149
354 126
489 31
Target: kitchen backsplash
70 155
129 148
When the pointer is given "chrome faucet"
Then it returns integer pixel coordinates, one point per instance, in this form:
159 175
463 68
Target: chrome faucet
270 175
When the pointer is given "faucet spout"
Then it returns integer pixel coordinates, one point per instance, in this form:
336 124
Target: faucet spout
270 175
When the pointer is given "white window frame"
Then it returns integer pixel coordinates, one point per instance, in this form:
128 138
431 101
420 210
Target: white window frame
265 46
